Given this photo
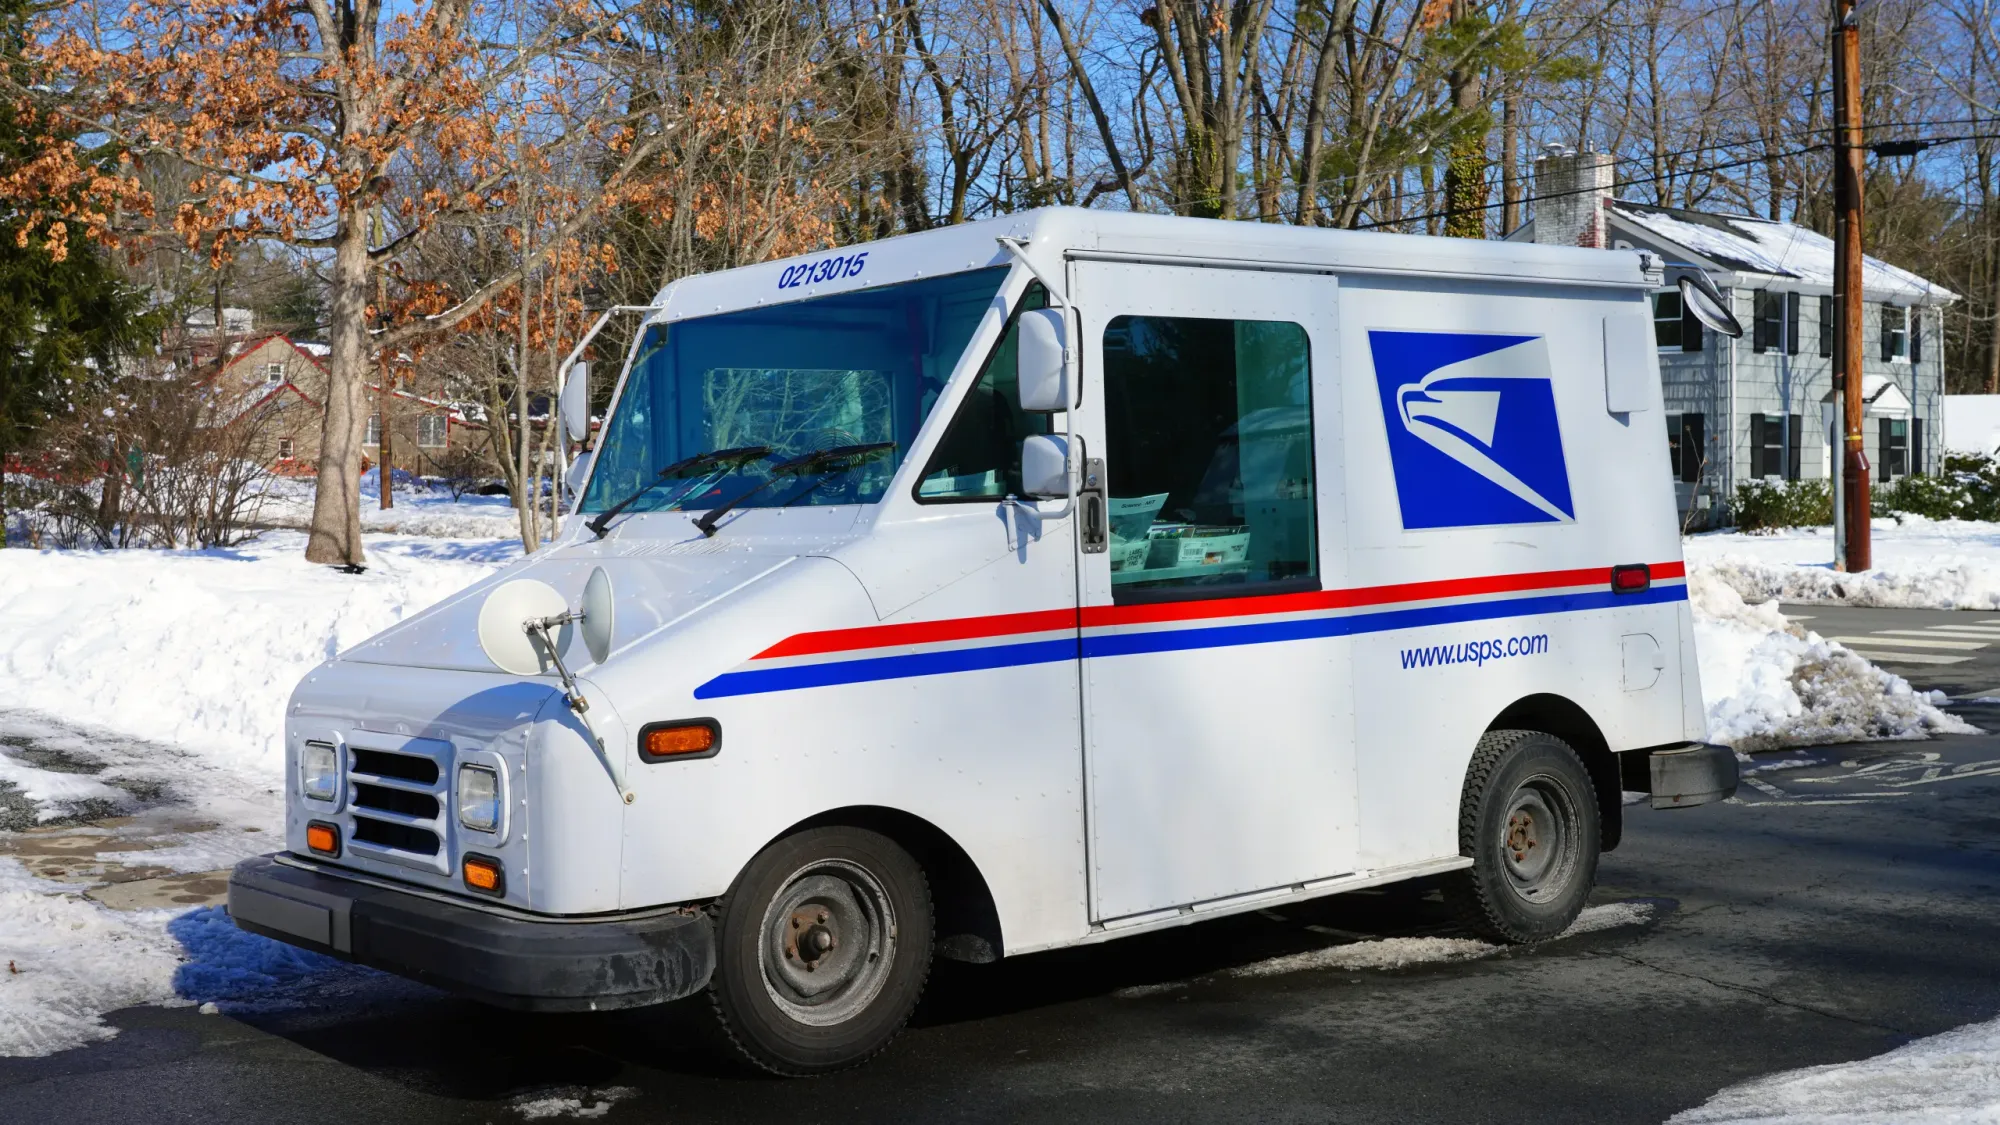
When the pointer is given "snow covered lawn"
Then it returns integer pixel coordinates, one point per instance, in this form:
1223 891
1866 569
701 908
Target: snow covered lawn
1919 564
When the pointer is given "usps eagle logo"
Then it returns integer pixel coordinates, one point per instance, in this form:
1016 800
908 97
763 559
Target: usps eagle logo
1472 428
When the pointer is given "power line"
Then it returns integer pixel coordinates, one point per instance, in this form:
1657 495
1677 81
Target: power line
1882 148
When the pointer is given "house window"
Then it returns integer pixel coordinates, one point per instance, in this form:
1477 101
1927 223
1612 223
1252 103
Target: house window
1826 326
1777 322
1893 450
1674 327
373 434
284 449
1774 445
431 431
1895 334
1684 446
274 373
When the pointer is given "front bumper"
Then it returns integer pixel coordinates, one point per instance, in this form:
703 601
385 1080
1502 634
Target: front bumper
503 957
1693 774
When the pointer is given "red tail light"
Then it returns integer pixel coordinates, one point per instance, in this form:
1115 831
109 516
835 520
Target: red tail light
1631 578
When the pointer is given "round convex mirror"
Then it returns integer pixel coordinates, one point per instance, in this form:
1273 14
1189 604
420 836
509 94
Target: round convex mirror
503 633
1706 302
599 615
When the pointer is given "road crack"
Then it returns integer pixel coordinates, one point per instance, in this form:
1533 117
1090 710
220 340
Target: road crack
1768 997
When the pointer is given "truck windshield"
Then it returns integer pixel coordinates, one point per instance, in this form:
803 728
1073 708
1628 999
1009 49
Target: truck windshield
842 370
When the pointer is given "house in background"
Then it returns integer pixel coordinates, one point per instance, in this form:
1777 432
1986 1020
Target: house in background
286 381
1761 406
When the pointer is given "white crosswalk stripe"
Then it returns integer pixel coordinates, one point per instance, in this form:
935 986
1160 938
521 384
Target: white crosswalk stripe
1909 642
1910 657
1949 634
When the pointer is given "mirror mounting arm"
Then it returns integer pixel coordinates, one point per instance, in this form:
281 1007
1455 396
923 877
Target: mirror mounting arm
1017 248
540 628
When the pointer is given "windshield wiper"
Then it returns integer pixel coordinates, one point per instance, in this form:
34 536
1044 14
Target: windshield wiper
838 459
713 459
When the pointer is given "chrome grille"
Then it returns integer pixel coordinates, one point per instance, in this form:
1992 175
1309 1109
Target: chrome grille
397 801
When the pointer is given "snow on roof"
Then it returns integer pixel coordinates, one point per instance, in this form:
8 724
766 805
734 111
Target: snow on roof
312 348
1764 246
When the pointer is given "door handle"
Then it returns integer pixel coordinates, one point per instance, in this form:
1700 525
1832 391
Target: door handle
1094 526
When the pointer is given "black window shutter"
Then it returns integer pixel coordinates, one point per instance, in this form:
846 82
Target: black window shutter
1758 458
1883 441
1792 325
1674 445
1916 334
1692 449
1916 445
1690 329
1792 449
1760 314
1888 335
1826 327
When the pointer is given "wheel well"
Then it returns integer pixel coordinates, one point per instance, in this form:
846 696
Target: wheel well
1552 714
968 923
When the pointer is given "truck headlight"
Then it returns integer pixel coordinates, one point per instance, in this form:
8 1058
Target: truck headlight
319 771
478 798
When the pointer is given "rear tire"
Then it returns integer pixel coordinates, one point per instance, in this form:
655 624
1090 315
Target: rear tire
1528 820
823 947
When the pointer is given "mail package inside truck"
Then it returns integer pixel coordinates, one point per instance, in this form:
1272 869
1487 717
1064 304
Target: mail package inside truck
1017 585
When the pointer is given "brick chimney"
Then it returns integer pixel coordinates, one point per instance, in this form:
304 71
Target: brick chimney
1570 191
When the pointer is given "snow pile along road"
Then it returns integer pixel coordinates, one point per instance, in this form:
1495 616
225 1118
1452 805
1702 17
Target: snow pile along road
1919 564
1948 1079
69 959
1768 683
203 648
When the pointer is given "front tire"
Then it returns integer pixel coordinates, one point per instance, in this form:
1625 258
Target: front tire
824 945
1528 820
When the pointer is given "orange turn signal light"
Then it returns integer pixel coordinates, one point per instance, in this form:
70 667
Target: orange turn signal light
699 738
323 838
484 875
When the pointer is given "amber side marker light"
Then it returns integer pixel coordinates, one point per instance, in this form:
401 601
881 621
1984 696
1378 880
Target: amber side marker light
680 740
484 875
324 839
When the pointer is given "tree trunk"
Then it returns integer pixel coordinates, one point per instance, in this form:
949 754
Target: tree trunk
1465 162
1510 164
385 448
336 519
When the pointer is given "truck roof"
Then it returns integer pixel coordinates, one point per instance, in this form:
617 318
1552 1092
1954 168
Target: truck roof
1050 233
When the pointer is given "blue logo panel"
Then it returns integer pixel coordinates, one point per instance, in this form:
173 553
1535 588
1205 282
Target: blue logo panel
1471 418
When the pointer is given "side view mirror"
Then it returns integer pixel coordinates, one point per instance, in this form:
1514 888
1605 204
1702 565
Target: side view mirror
579 471
1045 466
1705 301
574 405
1042 356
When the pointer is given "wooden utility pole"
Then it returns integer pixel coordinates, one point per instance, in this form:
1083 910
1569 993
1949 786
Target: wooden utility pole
1847 156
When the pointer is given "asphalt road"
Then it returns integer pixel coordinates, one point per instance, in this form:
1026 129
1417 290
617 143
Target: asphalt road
1837 909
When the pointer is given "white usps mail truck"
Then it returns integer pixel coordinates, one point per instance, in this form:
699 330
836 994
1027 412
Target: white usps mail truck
1022 584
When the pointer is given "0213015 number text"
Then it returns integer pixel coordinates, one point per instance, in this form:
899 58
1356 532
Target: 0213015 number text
825 269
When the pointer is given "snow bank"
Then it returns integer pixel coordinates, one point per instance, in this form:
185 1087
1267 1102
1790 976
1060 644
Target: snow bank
203 648
1948 1078
1919 564
68 960
1769 683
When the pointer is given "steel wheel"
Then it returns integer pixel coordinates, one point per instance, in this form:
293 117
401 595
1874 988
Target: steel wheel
1539 839
1528 821
822 948
829 939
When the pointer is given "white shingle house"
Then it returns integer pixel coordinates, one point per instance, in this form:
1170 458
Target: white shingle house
1761 406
